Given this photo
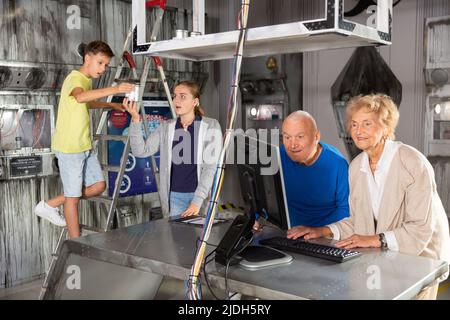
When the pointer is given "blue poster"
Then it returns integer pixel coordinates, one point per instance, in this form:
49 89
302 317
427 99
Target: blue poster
138 177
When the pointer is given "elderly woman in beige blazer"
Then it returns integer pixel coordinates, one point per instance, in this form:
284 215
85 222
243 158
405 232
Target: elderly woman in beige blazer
393 199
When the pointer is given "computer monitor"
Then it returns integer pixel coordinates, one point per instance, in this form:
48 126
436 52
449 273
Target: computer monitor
262 188
261 179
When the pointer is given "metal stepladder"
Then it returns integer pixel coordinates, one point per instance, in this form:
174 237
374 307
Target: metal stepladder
111 202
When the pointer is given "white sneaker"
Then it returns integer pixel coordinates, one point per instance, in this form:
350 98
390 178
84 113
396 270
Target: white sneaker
45 211
234 296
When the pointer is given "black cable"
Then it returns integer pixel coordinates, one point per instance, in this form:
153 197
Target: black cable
207 243
205 263
206 275
233 295
228 263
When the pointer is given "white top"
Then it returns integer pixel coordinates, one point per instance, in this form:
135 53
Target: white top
376 183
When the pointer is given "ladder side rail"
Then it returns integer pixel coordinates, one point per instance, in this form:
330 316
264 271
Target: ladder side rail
144 76
118 181
49 277
159 66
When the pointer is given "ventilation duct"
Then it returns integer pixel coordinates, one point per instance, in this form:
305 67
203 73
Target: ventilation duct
29 77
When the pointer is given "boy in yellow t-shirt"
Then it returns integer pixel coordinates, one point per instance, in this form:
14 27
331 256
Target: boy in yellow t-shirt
79 167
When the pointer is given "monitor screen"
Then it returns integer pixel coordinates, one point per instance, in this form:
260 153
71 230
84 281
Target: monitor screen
261 179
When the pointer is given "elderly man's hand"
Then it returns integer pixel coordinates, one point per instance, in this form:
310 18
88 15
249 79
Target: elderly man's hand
191 210
257 226
359 241
307 232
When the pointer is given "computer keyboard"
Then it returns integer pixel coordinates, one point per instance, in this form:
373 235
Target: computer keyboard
310 249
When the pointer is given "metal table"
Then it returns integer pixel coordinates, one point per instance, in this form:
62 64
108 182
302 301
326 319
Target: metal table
162 248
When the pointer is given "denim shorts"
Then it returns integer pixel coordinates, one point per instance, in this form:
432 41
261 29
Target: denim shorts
78 170
179 202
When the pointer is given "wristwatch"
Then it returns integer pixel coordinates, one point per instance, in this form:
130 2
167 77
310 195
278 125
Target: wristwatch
383 241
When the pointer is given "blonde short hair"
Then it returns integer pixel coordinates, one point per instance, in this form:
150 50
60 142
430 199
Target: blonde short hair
382 105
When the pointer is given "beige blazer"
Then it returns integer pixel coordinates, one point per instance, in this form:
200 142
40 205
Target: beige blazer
410 206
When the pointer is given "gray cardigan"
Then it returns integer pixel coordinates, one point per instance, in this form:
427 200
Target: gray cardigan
209 147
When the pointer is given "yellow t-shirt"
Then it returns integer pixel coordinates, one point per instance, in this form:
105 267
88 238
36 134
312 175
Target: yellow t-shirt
72 132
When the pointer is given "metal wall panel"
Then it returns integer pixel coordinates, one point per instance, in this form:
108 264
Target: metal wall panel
25 242
435 8
405 57
442 172
261 12
40 30
37 31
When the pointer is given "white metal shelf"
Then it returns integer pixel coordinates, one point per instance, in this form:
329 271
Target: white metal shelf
285 38
332 32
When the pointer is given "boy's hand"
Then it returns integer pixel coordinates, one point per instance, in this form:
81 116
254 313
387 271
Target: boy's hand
132 108
118 107
125 87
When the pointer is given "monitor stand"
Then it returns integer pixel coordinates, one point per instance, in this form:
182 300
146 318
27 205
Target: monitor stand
256 257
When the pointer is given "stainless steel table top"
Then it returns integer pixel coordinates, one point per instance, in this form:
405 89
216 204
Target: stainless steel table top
168 248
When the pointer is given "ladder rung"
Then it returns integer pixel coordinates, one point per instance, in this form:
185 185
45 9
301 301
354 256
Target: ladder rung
103 199
89 232
107 167
110 137
129 80
134 81
90 228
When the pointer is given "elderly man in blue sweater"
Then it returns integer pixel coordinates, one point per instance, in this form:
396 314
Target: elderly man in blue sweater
315 175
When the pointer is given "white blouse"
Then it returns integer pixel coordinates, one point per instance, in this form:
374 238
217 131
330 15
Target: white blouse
376 183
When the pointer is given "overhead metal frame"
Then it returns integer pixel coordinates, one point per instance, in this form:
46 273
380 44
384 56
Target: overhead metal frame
331 32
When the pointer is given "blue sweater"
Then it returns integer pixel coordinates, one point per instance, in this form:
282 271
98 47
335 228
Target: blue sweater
317 195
